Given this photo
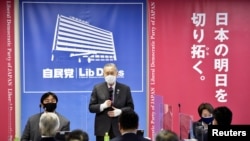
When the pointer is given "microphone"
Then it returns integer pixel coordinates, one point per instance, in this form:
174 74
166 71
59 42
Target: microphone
40 106
111 93
111 98
179 107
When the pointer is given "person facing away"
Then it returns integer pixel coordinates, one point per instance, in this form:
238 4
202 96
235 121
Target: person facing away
128 125
222 116
166 135
108 100
48 102
48 125
77 135
200 127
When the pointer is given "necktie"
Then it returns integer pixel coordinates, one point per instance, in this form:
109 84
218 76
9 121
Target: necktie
111 93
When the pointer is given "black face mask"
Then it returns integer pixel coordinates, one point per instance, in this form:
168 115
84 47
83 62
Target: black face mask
49 107
207 120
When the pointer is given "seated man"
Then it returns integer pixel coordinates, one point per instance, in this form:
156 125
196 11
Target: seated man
48 102
77 135
128 123
166 135
222 116
48 126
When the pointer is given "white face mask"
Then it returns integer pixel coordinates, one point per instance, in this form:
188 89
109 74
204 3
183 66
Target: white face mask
110 79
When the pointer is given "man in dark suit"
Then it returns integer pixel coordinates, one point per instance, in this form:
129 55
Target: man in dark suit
166 135
48 103
128 125
108 100
77 135
223 116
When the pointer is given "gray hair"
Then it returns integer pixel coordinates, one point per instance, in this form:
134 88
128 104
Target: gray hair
166 135
110 65
49 124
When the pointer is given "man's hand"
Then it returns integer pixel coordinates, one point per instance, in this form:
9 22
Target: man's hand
116 112
105 105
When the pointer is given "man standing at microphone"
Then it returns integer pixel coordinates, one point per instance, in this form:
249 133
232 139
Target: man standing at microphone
108 100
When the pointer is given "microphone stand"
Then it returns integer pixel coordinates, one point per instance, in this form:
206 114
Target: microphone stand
179 107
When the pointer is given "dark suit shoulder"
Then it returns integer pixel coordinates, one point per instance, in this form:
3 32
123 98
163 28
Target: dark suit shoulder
38 115
34 117
102 84
48 139
121 84
118 138
197 123
130 137
62 118
143 139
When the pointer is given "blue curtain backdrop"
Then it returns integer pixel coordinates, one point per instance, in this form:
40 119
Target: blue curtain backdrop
64 46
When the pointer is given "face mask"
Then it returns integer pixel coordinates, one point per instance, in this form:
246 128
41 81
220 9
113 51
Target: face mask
110 79
50 107
207 120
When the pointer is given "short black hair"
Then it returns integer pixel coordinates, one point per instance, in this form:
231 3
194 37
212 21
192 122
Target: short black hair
47 94
77 134
129 119
223 115
203 106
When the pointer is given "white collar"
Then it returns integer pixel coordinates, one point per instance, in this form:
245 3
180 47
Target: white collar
129 132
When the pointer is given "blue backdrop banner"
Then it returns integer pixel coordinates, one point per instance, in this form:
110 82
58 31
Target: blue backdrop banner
64 46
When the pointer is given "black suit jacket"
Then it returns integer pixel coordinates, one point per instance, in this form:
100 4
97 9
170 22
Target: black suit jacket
199 132
48 139
122 100
31 131
129 137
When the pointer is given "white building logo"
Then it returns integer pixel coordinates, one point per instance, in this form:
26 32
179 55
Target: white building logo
77 38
